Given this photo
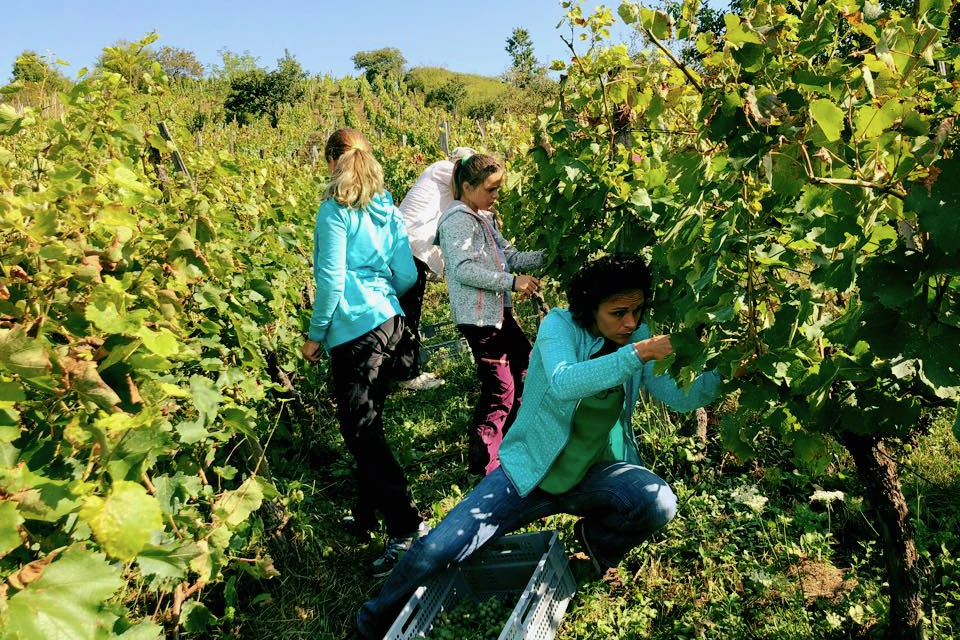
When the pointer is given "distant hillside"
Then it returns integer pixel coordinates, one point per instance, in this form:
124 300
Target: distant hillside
484 95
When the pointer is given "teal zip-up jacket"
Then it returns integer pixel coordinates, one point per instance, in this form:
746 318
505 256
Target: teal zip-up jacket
560 373
361 263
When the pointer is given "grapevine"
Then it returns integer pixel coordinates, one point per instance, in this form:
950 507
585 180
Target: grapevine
793 203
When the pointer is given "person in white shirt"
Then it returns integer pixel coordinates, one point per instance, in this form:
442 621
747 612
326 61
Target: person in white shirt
422 207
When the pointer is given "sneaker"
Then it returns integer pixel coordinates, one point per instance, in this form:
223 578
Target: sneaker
394 550
422 382
578 532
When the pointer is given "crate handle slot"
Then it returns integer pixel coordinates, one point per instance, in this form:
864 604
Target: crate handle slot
411 618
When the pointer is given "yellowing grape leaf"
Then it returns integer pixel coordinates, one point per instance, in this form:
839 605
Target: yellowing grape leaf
125 521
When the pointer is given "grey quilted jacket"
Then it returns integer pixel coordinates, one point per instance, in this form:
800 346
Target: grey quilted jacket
479 276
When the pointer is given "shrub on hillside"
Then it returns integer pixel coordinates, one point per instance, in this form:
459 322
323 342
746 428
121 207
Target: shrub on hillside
258 93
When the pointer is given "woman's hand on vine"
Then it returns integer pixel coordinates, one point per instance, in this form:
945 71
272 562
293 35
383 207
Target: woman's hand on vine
654 348
526 285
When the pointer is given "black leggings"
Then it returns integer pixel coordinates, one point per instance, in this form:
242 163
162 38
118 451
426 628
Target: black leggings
361 378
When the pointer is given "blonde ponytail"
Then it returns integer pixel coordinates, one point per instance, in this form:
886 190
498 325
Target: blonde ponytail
357 176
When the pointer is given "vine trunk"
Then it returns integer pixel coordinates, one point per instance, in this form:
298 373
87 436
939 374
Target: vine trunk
878 472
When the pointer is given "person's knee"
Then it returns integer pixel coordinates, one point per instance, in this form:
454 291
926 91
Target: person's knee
665 506
429 555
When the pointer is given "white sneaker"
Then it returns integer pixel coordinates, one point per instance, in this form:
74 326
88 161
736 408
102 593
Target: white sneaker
421 382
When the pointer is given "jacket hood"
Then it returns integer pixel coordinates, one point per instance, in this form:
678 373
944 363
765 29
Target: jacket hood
455 207
380 208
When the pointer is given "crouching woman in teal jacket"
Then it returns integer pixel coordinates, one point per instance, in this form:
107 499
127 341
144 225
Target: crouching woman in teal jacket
572 448
361 263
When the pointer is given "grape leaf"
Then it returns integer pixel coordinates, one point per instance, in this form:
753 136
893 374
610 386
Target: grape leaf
162 342
125 521
105 315
10 520
234 507
829 117
206 398
143 631
196 617
66 602
21 354
167 561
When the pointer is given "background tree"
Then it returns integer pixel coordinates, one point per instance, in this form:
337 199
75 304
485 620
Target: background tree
524 67
179 63
536 88
449 95
234 64
385 63
483 110
261 93
30 68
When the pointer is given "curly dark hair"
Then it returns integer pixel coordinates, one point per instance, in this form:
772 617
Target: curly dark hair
603 278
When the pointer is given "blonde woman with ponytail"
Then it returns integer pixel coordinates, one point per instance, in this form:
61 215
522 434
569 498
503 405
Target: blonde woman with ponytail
362 262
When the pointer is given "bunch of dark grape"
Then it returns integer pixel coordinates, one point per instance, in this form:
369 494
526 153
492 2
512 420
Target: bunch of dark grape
471 620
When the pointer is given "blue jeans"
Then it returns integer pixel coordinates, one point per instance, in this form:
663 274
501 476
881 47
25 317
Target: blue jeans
621 504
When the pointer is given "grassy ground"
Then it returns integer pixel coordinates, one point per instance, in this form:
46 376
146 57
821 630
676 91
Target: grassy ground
758 549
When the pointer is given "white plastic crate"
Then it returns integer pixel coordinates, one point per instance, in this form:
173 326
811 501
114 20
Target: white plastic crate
532 567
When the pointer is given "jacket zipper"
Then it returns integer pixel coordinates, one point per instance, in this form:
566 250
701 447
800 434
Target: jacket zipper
496 259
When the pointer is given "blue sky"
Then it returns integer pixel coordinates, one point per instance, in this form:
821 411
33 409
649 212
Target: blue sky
468 37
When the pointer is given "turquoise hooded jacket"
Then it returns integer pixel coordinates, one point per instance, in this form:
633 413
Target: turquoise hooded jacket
361 263
560 373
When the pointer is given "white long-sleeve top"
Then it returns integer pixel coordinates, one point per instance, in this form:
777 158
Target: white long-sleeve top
422 207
